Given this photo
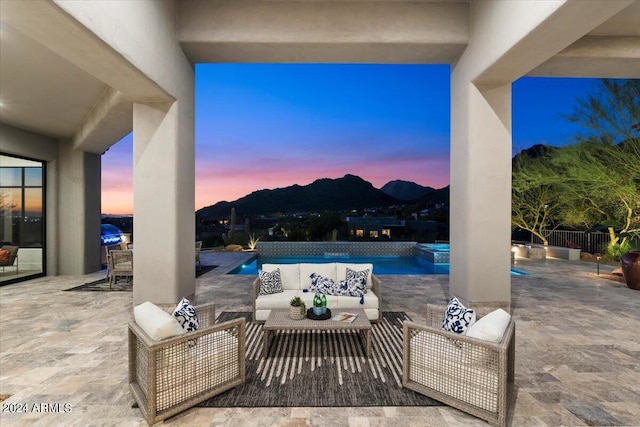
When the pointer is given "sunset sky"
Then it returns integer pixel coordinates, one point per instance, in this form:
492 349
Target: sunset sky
268 126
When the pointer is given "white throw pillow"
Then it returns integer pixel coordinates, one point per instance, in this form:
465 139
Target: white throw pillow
156 322
491 327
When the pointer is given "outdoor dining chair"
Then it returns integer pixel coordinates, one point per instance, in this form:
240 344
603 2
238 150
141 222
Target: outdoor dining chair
120 265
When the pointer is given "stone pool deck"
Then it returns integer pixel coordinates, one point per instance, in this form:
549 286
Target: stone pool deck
577 351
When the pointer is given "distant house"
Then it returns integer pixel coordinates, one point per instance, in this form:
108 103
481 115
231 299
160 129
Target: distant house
389 228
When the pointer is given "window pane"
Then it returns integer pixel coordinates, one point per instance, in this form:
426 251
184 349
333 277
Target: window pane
33 202
33 177
11 201
10 214
10 177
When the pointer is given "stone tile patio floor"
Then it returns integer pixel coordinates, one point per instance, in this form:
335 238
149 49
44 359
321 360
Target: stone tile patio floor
577 352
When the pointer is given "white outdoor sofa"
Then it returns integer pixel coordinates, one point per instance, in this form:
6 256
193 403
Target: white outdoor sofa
296 281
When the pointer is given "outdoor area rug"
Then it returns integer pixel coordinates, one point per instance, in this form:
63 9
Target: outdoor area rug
102 285
322 369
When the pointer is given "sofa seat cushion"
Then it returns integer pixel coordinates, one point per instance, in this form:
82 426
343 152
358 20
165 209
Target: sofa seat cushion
307 298
327 269
279 300
289 274
341 271
370 301
464 372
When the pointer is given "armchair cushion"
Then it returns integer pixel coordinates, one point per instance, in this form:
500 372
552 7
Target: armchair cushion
490 327
4 256
457 317
156 322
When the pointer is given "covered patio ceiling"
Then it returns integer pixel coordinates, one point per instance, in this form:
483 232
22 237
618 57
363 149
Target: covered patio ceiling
41 91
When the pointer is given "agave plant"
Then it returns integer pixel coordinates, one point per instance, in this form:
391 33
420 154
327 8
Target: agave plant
253 240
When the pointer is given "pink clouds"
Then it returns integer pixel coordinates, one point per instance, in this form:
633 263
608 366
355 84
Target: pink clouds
219 179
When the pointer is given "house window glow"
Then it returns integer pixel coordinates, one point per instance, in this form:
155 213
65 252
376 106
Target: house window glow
373 234
359 233
386 232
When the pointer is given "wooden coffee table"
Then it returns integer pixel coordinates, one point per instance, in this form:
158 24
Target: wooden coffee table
279 320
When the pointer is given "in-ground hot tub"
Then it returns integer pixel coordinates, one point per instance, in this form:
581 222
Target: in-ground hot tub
437 253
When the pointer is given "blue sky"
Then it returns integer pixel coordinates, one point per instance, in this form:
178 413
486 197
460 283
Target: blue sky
273 125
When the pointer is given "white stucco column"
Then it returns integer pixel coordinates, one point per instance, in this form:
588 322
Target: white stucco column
480 193
78 227
164 218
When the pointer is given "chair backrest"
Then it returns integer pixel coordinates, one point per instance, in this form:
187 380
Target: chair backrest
121 260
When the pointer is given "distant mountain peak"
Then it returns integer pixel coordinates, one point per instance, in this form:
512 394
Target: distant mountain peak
406 190
346 193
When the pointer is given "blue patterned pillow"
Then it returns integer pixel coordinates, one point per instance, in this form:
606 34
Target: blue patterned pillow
325 285
321 284
458 318
186 315
353 287
270 282
361 275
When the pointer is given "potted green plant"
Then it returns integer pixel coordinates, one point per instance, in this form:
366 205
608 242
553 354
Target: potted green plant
297 309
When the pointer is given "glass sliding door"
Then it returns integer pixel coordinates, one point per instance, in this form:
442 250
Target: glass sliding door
22 219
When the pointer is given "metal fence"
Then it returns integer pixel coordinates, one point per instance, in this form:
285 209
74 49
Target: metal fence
591 242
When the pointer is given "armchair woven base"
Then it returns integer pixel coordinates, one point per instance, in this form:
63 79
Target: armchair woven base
169 376
466 373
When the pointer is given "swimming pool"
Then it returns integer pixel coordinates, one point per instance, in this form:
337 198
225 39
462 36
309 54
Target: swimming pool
382 265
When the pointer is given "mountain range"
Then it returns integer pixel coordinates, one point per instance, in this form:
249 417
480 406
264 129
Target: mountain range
340 194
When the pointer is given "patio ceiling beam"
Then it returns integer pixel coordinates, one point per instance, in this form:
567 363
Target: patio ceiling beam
110 119
323 31
595 56
523 35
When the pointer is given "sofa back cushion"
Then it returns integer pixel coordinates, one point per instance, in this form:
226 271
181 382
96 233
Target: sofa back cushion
326 269
289 275
341 271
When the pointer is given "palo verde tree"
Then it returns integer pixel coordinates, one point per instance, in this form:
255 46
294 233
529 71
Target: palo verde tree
593 183
535 201
602 171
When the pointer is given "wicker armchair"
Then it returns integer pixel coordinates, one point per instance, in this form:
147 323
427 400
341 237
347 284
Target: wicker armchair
172 375
466 373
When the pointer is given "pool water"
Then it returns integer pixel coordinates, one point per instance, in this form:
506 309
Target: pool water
382 265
